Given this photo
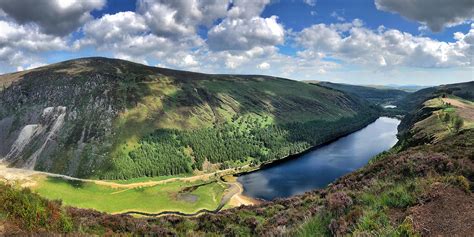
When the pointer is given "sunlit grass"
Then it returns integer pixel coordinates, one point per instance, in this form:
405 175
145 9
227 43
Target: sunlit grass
163 197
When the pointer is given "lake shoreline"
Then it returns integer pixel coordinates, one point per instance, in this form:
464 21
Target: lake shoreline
314 168
312 148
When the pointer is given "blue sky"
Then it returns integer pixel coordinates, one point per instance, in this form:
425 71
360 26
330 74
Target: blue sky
423 42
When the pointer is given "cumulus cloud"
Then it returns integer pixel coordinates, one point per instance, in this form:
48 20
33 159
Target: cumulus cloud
128 36
246 9
243 28
384 48
237 59
180 17
263 66
56 17
436 14
239 39
20 44
245 34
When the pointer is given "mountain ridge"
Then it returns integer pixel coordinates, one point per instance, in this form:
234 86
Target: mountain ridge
104 118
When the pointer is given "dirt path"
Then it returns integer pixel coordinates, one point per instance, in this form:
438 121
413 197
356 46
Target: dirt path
11 174
465 110
447 211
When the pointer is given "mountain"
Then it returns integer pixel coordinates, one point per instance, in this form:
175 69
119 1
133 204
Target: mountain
113 119
407 88
463 90
418 188
380 96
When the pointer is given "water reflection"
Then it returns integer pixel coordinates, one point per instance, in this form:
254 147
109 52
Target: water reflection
320 167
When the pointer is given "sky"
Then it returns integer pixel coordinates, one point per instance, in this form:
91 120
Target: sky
405 42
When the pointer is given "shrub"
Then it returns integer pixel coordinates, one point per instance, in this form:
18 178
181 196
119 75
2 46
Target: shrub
459 181
398 196
339 201
406 229
458 122
316 226
31 211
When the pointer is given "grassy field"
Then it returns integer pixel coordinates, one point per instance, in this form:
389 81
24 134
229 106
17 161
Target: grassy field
180 196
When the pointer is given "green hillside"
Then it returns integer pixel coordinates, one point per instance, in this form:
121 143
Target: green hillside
412 101
418 188
108 118
380 96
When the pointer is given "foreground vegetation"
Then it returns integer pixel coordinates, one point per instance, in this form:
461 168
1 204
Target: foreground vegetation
26 211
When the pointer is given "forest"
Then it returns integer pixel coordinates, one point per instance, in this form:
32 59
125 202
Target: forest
245 140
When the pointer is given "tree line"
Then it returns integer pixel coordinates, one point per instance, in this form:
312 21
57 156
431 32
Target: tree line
172 152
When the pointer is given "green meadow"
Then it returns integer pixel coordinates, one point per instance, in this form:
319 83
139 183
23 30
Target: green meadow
179 196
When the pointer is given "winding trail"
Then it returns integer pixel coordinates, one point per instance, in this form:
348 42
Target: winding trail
16 173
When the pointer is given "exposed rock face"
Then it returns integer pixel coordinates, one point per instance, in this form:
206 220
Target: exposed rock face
42 133
47 117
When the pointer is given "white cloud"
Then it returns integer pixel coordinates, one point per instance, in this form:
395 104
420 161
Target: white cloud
310 2
436 14
57 17
189 61
35 65
19 45
263 66
337 16
116 28
246 9
239 40
245 34
244 29
361 46
128 36
180 17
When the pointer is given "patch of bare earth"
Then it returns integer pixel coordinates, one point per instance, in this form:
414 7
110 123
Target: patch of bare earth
8 228
446 211
466 110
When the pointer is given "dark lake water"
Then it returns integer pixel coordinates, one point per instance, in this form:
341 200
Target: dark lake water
318 168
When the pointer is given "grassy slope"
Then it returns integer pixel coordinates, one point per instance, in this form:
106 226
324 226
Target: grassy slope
403 192
413 100
114 105
381 96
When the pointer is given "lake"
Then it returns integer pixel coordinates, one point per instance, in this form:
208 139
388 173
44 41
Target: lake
323 165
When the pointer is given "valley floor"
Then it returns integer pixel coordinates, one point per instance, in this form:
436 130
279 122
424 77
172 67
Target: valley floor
179 194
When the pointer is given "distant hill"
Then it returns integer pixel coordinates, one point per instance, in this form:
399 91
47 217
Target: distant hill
463 90
407 88
109 118
380 96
